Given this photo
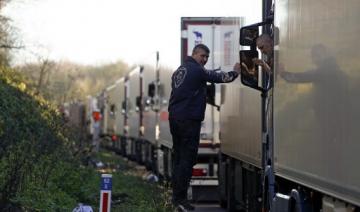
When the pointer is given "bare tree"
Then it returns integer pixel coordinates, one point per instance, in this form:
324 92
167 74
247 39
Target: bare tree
43 69
7 37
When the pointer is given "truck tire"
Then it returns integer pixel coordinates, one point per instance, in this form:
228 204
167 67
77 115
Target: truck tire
230 178
222 180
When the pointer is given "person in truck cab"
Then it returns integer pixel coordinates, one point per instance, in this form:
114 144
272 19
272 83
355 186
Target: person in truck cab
265 44
186 112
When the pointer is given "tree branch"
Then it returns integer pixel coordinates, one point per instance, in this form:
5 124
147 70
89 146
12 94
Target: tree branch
5 46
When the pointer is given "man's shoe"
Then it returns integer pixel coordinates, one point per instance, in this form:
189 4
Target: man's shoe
185 206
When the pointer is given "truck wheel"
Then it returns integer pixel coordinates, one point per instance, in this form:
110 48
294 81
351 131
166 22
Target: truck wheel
230 177
222 180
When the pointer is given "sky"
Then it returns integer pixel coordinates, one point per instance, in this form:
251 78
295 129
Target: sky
95 32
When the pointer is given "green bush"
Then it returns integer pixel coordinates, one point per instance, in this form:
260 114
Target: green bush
38 169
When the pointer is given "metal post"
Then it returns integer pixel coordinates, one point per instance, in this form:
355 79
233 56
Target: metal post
105 193
263 147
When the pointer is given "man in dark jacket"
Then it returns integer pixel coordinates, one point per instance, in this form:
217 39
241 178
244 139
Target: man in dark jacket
186 112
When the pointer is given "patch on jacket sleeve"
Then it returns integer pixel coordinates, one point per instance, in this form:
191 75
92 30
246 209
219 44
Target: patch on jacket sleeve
179 76
226 77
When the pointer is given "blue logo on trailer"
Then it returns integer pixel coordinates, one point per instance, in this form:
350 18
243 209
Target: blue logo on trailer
106 183
198 37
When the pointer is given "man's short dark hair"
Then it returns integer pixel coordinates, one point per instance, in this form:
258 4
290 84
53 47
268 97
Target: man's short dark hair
201 46
264 37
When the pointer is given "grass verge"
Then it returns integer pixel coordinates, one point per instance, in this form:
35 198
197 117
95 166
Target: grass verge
130 191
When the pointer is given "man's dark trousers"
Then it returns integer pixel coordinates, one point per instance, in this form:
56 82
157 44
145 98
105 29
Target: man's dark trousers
186 135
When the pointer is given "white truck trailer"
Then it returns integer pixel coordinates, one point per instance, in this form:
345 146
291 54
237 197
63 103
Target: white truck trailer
301 149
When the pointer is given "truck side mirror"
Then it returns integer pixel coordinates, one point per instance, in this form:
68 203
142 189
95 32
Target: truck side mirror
249 71
248 35
113 109
151 90
123 107
138 103
210 95
161 90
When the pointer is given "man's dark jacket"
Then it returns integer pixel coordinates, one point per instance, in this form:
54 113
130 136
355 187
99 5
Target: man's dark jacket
188 95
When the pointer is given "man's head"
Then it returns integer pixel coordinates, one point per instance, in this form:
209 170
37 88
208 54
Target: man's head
319 53
200 54
265 44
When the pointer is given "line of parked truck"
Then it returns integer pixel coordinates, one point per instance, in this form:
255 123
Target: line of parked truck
287 145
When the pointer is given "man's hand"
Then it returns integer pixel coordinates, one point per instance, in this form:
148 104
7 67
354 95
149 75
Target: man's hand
250 71
263 64
237 68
